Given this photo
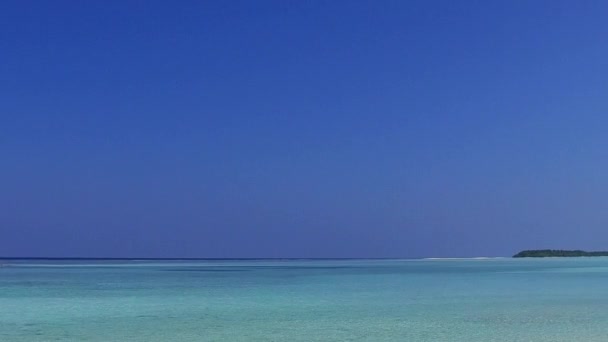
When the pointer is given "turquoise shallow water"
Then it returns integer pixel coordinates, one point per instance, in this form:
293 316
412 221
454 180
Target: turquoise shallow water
332 300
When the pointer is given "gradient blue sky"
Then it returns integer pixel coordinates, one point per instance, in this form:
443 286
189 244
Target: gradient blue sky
302 128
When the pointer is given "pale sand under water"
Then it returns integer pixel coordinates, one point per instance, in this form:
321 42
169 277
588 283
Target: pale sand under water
333 300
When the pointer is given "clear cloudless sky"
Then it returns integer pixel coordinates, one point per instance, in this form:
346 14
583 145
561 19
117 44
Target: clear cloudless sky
302 128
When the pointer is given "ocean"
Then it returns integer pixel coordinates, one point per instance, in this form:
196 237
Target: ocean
460 300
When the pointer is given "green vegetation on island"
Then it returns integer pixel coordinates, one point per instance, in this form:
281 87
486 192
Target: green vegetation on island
546 253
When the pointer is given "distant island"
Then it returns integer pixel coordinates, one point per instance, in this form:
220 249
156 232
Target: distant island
547 253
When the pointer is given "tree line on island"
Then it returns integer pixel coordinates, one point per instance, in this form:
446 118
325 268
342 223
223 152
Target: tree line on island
545 253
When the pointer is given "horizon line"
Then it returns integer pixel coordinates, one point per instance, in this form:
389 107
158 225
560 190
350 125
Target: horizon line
237 258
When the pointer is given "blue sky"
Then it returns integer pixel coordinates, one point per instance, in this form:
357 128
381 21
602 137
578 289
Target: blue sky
302 128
